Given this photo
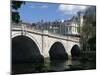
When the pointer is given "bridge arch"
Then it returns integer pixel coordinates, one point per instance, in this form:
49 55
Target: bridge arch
29 36
25 49
75 51
57 51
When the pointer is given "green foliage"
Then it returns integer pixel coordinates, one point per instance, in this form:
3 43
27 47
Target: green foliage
16 4
15 17
92 43
88 33
15 14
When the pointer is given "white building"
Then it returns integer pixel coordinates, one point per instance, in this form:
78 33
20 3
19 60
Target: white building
64 27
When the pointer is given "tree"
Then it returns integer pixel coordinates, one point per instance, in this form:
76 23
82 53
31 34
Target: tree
15 5
88 34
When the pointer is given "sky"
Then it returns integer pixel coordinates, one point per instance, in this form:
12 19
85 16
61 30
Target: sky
32 12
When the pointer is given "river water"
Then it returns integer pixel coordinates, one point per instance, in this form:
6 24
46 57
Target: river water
53 66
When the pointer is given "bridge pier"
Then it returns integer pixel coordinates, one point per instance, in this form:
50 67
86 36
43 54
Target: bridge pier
45 42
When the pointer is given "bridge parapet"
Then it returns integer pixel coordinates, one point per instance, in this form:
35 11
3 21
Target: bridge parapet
25 27
68 38
28 28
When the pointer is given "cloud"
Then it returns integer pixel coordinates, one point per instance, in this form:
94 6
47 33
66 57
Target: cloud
39 6
44 6
70 9
32 6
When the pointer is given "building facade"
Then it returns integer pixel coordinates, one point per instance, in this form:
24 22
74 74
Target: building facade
64 27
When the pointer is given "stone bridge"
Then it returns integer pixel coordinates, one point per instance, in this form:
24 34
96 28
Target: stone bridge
29 40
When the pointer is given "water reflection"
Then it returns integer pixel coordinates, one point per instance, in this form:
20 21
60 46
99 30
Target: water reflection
58 65
53 66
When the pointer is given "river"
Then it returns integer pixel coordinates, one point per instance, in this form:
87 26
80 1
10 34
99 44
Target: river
53 66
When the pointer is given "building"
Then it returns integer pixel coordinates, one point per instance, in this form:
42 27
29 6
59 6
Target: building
64 27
